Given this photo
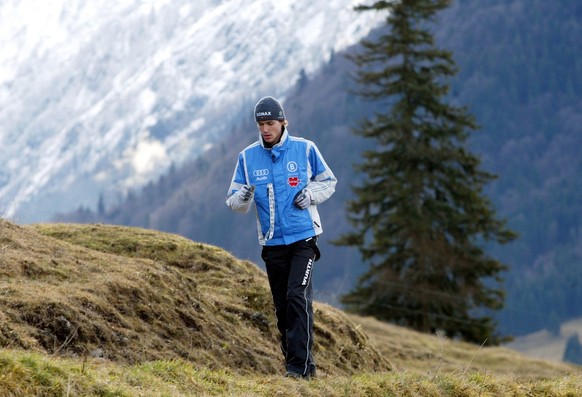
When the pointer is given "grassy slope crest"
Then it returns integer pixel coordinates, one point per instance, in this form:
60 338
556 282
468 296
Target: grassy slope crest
133 295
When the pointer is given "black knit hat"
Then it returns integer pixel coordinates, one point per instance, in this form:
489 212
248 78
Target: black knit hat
268 108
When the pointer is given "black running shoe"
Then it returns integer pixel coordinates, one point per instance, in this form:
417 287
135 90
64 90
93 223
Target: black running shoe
294 375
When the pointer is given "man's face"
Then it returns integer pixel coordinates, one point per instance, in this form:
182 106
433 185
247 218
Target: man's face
271 131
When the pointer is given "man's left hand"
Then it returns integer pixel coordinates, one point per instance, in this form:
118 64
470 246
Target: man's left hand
303 199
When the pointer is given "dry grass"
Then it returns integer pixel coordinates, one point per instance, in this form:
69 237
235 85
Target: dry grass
134 295
116 311
26 374
434 354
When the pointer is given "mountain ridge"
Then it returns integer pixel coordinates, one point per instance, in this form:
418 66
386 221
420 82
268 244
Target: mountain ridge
117 93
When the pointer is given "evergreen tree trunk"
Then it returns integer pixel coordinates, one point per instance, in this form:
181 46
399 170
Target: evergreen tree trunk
420 216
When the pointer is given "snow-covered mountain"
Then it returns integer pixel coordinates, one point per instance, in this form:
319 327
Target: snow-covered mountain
99 97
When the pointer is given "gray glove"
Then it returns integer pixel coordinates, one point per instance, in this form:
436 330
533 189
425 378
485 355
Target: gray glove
246 193
303 199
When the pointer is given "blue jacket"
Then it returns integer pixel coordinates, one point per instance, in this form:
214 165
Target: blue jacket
278 174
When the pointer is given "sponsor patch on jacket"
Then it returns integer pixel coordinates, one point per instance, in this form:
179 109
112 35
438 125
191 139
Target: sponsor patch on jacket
261 175
293 181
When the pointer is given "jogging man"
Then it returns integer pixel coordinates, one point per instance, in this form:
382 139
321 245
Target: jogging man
285 177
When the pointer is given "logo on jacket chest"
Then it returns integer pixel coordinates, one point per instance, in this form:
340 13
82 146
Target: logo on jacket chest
293 181
261 175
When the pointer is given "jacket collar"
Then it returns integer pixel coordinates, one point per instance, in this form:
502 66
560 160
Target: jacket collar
281 144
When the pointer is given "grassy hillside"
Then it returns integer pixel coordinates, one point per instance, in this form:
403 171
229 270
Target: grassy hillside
408 350
118 311
134 295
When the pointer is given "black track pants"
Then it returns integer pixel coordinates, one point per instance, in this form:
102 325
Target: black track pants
289 268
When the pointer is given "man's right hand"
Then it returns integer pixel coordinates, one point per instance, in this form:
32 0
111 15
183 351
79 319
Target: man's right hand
246 193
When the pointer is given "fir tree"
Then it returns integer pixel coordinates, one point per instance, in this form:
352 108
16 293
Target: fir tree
420 217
